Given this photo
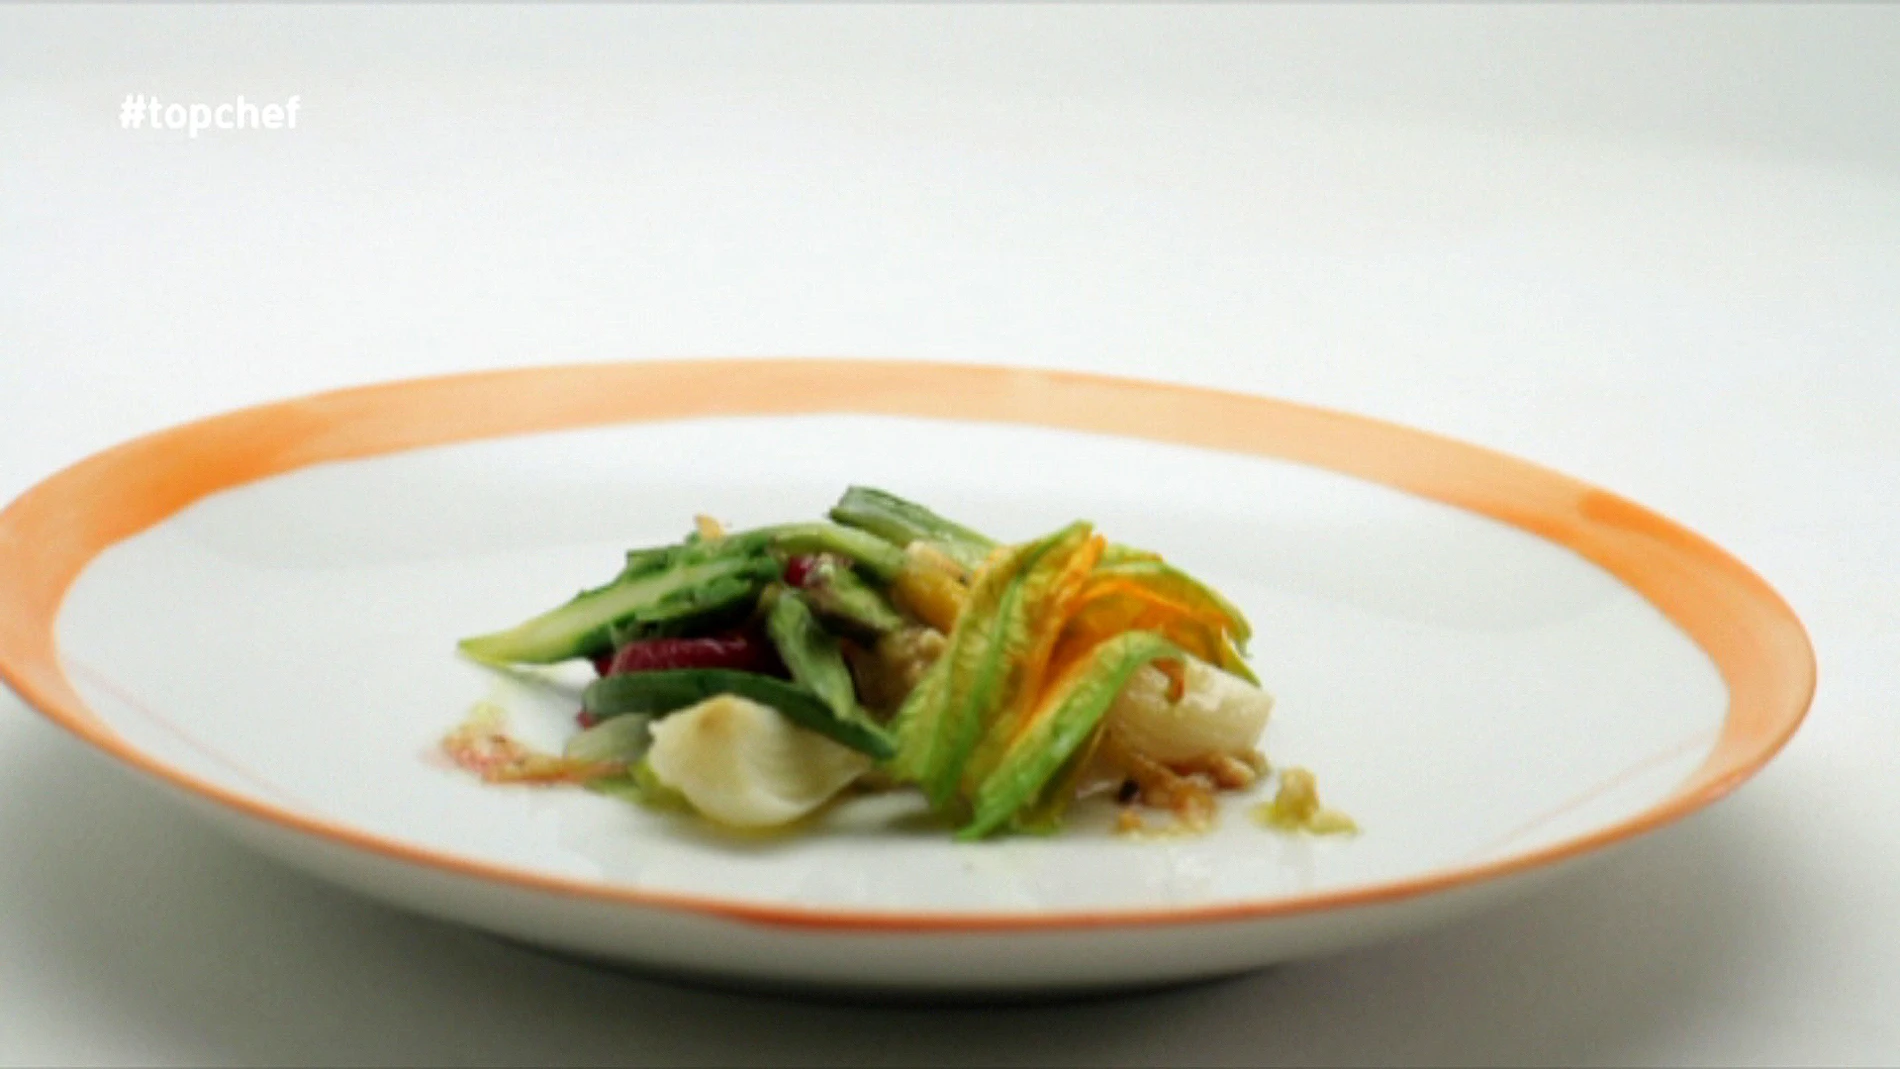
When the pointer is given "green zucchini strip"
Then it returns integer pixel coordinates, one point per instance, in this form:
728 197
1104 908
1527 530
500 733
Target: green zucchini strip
670 690
1065 720
902 522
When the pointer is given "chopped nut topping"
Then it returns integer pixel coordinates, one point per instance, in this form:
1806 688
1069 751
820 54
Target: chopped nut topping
1296 807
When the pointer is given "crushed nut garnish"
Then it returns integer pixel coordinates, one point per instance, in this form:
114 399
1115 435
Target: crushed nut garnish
1296 807
481 744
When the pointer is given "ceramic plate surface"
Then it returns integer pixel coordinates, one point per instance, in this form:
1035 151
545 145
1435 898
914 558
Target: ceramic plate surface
1494 668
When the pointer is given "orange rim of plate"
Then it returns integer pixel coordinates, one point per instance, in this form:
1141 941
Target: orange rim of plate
51 533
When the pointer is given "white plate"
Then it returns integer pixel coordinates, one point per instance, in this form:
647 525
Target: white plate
1493 668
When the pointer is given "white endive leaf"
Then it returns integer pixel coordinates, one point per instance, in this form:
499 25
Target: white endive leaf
1217 714
742 763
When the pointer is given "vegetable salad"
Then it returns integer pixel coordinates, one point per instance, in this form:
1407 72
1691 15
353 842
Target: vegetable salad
751 676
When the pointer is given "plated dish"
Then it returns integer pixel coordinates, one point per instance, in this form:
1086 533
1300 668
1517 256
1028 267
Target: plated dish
1497 669
753 676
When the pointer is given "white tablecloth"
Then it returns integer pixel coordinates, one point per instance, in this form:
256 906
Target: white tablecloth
1654 247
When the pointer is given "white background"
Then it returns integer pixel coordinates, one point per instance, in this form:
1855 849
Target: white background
1655 247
